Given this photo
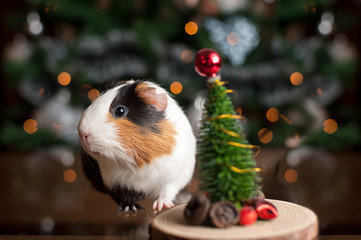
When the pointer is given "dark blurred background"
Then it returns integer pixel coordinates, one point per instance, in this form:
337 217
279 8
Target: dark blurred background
294 65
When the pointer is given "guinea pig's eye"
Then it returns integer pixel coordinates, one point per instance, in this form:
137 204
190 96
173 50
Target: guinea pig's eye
120 111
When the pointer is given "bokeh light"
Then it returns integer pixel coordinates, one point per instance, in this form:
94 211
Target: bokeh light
47 225
69 175
330 126
293 142
191 28
30 126
320 91
64 78
325 26
296 78
265 135
291 175
176 87
93 94
273 115
187 56
233 38
34 24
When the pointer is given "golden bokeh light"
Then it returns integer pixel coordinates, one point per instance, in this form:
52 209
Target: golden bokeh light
296 78
320 91
93 94
176 87
187 56
291 175
64 78
233 38
330 126
69 175
191 28
30 126
273 115
265 135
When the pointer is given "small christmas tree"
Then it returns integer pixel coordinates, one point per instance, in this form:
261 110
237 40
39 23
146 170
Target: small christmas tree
228 170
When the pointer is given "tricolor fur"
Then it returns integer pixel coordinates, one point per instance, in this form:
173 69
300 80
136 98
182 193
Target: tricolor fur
148 153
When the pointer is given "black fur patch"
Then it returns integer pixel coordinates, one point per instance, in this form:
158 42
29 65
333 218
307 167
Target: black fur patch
139 112
125 197
92 172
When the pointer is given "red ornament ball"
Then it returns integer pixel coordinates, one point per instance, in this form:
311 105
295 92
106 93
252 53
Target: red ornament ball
207 63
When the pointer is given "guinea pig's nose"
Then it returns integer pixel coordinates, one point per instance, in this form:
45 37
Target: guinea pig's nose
84 136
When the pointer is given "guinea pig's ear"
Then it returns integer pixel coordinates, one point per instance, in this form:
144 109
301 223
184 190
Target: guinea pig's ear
150 96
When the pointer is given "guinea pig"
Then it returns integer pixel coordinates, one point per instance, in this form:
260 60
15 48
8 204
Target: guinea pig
137 143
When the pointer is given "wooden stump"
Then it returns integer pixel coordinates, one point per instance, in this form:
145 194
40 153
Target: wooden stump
294 222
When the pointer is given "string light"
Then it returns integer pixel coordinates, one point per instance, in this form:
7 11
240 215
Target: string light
330 126
325 26
93 94
191 28
64 78
69 175
176 87
296 78
291 175
30 126
273 115
265 135
187 56
35 26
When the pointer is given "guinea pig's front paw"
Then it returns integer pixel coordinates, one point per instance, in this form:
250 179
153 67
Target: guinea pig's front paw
161 203
126 208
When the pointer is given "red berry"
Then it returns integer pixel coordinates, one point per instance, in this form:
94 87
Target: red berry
247 216
266 210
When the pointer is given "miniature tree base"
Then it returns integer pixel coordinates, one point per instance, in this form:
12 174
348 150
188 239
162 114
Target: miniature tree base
294 222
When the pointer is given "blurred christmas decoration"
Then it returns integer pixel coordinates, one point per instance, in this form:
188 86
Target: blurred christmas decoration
293 56
236 37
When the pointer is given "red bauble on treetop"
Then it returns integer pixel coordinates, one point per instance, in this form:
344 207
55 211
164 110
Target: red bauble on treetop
207 62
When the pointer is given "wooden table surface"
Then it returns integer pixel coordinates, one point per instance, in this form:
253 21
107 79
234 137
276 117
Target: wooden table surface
36 199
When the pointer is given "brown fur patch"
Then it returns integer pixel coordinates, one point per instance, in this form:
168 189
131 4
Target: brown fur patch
141 143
